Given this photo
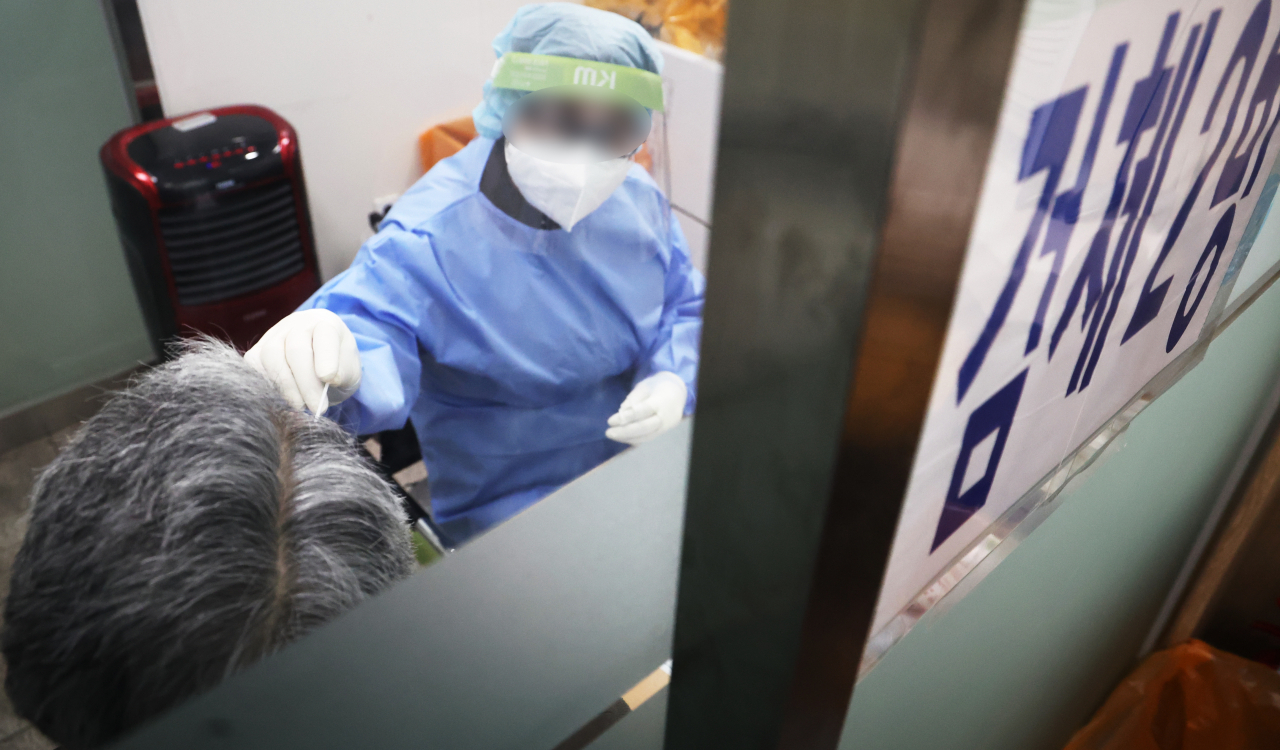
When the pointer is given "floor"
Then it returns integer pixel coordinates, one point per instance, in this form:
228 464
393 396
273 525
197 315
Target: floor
18 469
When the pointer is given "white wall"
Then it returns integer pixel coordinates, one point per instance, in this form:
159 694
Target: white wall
361 79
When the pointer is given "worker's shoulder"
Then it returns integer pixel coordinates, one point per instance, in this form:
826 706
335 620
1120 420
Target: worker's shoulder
449 182
641 188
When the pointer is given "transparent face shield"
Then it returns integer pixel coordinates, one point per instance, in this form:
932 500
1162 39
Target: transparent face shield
563 121
574 136
582 101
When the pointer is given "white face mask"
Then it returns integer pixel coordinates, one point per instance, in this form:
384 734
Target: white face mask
568 185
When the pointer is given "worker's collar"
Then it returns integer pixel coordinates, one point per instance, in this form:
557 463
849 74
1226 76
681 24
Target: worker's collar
497 186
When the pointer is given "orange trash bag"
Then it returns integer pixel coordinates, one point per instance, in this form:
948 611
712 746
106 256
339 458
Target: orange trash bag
444 140
1190 697
695 25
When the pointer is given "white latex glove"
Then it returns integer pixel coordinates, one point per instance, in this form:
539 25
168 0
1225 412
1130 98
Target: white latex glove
654 406
305 352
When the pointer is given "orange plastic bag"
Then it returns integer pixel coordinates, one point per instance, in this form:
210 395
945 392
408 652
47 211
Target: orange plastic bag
445 140
1190 697
695 25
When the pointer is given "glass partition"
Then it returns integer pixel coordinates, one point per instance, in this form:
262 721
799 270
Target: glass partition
73 316
418 274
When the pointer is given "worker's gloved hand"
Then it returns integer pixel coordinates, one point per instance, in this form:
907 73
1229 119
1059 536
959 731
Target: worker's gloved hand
306 351
654 406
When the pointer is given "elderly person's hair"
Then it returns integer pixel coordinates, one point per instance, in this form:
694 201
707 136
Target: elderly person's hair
194 525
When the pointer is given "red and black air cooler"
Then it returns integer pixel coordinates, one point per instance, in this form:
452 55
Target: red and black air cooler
213 215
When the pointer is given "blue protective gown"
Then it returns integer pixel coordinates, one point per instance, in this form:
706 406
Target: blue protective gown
509 346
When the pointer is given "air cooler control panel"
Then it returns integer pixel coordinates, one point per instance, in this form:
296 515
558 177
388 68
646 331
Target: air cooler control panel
206 153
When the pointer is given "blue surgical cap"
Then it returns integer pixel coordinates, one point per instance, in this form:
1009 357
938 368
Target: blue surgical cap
565 30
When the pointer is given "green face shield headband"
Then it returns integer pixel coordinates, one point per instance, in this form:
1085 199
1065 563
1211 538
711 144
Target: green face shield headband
528 72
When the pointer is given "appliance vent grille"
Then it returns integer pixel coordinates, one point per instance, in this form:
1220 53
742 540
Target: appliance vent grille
235 245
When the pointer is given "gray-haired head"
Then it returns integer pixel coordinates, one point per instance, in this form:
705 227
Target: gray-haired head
194 525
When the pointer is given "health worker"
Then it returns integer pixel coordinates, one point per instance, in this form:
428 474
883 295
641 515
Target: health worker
529 304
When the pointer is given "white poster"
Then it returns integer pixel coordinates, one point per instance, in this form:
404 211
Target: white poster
1134 141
